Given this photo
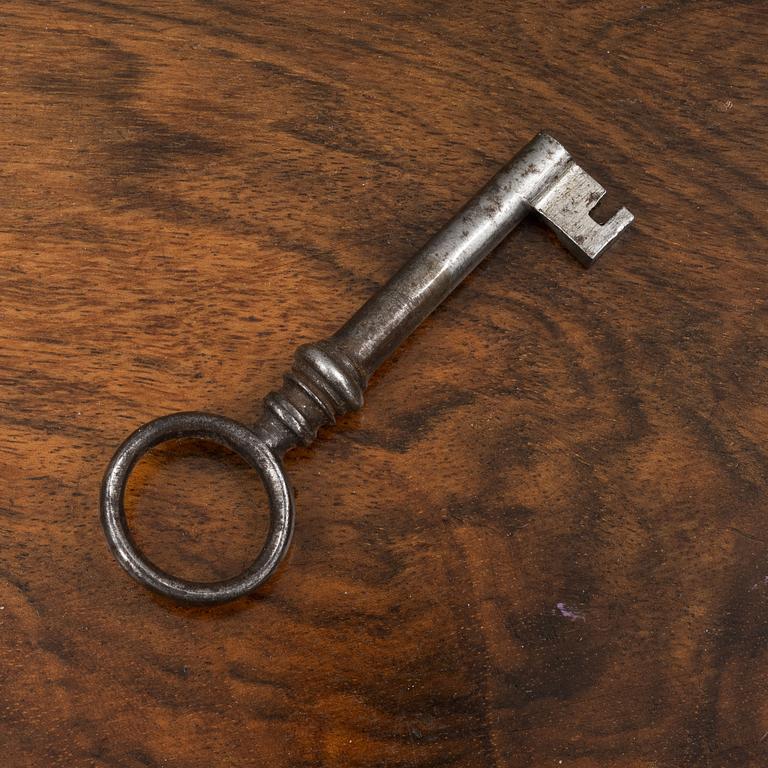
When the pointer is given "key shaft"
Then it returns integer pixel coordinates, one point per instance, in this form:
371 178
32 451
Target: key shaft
328 378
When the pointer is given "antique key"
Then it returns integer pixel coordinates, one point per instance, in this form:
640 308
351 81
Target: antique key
328 378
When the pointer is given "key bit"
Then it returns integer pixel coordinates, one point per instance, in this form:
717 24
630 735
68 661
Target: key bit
565 205
328 378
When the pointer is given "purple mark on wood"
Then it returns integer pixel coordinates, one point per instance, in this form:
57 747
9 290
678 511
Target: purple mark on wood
569 613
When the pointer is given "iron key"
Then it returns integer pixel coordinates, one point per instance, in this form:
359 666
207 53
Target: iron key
328 378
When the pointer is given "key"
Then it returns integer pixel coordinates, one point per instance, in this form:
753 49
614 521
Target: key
328 378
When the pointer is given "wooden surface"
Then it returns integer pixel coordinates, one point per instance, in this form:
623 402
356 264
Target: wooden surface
543 540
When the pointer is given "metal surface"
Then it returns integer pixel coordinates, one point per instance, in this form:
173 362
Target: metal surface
328 378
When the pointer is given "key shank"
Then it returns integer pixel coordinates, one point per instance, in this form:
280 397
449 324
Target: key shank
328 378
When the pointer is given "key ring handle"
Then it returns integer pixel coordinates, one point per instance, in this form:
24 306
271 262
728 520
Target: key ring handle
230 434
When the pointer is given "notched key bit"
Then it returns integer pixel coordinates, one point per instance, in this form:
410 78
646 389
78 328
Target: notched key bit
328 378
566 204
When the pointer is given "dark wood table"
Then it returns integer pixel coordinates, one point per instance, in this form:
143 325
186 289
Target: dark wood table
543 540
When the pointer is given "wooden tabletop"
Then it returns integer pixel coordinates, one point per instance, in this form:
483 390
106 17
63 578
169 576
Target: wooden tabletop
542 542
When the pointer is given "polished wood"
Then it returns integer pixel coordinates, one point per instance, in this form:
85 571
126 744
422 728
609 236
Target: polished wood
543 540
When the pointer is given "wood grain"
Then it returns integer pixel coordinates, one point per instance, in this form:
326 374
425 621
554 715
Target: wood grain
542 542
